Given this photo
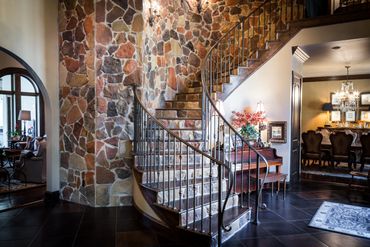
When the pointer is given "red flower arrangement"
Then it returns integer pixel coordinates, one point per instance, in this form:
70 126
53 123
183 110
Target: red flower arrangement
248 122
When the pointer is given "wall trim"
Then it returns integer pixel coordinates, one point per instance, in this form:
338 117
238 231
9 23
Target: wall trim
336 78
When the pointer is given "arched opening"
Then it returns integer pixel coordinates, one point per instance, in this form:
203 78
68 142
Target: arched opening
21 90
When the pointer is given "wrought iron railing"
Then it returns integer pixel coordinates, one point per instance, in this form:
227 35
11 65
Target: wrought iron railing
239 47
183 175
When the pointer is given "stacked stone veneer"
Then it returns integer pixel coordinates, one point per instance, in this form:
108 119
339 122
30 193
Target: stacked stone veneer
99 57
179 40
107 45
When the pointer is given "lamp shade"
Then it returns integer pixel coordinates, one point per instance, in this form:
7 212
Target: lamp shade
24 115
327 107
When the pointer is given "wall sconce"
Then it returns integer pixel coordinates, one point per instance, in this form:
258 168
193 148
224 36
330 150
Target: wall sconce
200 5
153 12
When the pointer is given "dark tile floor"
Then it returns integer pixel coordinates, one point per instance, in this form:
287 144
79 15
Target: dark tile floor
21 198
283 223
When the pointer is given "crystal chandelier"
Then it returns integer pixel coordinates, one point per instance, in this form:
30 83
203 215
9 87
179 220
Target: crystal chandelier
348 97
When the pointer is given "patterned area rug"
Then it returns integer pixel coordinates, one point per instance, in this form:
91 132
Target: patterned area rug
17 186
343 218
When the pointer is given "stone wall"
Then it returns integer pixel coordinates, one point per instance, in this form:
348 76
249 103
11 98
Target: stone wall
119 26
177 43
106 46
77 101
100 56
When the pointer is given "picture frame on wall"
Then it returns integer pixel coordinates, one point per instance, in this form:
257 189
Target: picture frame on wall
334 99
365 99
335 116
365 116
277 131
350 116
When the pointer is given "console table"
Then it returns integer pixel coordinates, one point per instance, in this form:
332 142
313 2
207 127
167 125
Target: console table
239 164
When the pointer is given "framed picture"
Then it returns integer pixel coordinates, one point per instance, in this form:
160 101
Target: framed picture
335 116
334 99
365 99
350 116
276 131
365 116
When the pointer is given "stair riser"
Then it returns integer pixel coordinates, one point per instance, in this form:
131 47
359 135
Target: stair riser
171 147
170 195
189 97
165 176
182 123
194 84
232 202
154 135
161 159
194 89
238 224
164 113
184 105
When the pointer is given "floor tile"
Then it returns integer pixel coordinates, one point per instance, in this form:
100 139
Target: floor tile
333 239
304 240
262 242
292 214
137 239
233 243
303 225
18 232
15 243
252 231
269 216
281 228
53 241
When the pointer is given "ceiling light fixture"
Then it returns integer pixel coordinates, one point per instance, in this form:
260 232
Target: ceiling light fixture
348 97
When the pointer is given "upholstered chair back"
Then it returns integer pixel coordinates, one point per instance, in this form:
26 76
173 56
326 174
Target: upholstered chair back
311 141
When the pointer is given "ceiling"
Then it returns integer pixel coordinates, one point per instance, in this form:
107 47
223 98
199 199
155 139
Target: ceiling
325 61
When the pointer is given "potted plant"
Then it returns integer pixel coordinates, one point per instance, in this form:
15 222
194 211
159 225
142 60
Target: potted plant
15 134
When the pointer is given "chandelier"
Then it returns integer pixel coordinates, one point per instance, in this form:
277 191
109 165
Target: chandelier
347 96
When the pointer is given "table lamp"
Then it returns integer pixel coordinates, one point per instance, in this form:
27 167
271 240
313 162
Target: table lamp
328 107
24 116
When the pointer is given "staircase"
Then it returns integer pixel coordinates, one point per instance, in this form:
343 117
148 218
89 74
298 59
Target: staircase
183 155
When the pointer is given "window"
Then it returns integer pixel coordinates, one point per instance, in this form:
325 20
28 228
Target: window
19 92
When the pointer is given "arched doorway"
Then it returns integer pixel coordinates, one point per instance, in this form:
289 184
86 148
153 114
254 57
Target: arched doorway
21 90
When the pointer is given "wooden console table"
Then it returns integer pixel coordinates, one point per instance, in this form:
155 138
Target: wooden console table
243 168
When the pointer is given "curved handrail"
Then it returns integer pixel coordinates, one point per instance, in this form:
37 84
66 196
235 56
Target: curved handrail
212 159
209 105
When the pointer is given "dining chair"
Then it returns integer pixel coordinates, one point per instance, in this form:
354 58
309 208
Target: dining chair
341 149
365 155
312 147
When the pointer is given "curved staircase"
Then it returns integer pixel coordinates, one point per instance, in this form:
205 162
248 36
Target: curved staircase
186 155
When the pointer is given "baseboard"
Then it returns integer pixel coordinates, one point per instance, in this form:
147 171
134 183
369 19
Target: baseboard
51 197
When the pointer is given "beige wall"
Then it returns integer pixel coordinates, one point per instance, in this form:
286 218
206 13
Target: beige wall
314 94
29 30
7 61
